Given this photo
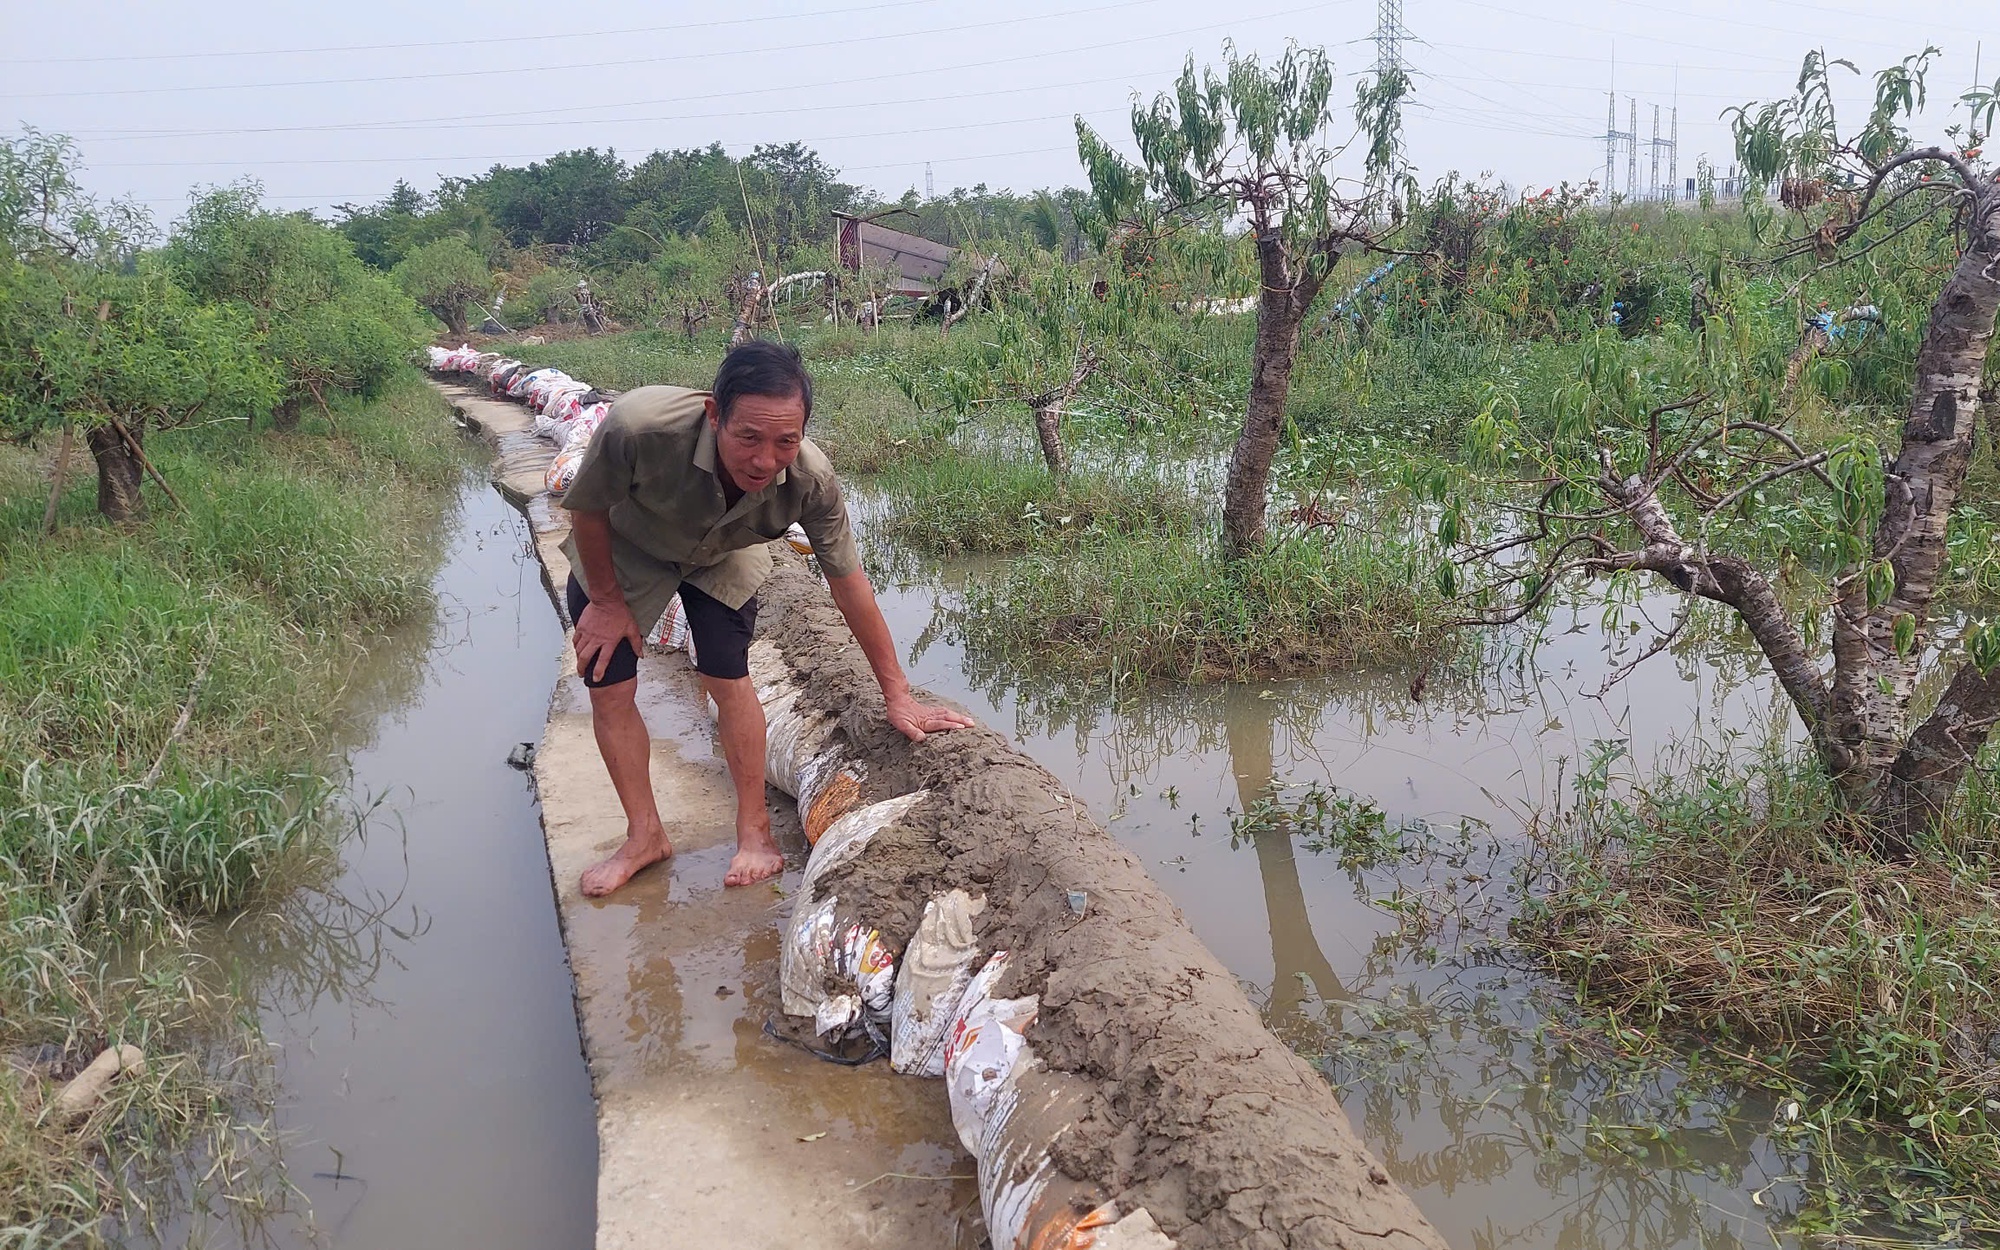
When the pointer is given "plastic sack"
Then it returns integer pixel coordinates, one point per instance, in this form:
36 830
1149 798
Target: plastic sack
671 630
562 471
801 756
937 967
1009 1110
577 433
437 357
834 967
555 393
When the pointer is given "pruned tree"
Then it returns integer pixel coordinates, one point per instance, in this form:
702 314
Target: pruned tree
112 354
1036 348
1648 462
1250 142
446 276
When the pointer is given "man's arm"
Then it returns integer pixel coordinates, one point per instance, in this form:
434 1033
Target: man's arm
856 600
607 619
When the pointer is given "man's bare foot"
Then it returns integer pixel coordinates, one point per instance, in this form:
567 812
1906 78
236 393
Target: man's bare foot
757 859
606 875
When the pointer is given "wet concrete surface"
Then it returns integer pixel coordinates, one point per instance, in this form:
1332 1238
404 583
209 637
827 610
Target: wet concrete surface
709 1130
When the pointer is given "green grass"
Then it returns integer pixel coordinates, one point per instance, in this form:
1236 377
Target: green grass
1730 914
246 607
961 501
1163 603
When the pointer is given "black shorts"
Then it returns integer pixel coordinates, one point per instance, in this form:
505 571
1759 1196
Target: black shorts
721 635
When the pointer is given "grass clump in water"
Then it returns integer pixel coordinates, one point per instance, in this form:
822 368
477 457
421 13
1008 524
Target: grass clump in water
1165 603
1732 915
962 502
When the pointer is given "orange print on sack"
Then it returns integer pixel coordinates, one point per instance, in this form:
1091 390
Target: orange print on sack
839 798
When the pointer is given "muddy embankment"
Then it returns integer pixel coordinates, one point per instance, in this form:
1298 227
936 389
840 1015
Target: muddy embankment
1162 1089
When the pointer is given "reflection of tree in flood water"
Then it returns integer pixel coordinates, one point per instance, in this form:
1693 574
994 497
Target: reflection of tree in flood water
1296 958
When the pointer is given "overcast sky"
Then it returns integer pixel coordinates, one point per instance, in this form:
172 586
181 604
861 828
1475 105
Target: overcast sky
330 103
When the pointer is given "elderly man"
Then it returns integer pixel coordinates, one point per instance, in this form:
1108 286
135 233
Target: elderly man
679 493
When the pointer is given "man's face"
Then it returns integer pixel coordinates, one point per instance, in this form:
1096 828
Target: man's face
761 437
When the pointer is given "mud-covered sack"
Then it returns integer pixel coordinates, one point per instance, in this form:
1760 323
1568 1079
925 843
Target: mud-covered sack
835 966
936 970
1010 1110
802 755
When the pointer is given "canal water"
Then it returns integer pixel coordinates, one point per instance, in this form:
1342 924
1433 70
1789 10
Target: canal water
432 1088
1392 972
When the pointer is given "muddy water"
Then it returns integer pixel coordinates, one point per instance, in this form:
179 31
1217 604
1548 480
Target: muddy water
1437 1036
430 1074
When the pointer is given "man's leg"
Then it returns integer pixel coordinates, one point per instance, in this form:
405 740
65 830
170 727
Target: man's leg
627 748
722 656
740 721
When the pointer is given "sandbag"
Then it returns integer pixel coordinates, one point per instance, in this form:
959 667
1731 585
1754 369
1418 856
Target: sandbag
834 966
802 756
936 969
1009 1111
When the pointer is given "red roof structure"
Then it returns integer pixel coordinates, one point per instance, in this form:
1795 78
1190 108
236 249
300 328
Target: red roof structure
919 261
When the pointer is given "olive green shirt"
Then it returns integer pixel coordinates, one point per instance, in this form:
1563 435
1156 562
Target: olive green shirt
652 466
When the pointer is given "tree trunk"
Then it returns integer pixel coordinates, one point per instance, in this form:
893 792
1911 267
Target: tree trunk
1280 309
453 316
1920 785
1048 428
1872 684
119 474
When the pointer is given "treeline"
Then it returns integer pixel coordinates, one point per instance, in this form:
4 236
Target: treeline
663 235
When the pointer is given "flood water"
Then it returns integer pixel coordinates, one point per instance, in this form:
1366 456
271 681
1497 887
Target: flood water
1440 1038
431 1082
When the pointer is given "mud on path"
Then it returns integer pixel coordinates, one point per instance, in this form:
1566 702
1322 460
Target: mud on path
709 1131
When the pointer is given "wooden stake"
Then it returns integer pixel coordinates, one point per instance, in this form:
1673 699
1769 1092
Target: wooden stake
144 463
62 471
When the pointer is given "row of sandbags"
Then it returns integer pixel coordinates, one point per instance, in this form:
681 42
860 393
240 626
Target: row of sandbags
931 1007
567 411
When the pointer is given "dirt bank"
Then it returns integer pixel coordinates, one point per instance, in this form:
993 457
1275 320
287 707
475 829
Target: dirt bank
1189 1106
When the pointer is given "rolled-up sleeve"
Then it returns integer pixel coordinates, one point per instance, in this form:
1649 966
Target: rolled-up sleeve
604 479
824 519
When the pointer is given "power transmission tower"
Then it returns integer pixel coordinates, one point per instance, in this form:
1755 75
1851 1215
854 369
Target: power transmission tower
1389 36
1614 138
1632 149
930 185
1656 153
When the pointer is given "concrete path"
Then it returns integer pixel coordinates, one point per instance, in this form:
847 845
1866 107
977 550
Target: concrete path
709 1132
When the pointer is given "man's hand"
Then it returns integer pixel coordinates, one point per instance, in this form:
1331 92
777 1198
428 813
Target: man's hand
598 633
916 719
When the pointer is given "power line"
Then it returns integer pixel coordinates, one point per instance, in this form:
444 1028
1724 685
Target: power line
455 42
536 156
438 122
596 65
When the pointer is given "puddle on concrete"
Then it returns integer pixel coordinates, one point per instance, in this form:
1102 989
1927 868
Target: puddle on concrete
1501 1134
430 1079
